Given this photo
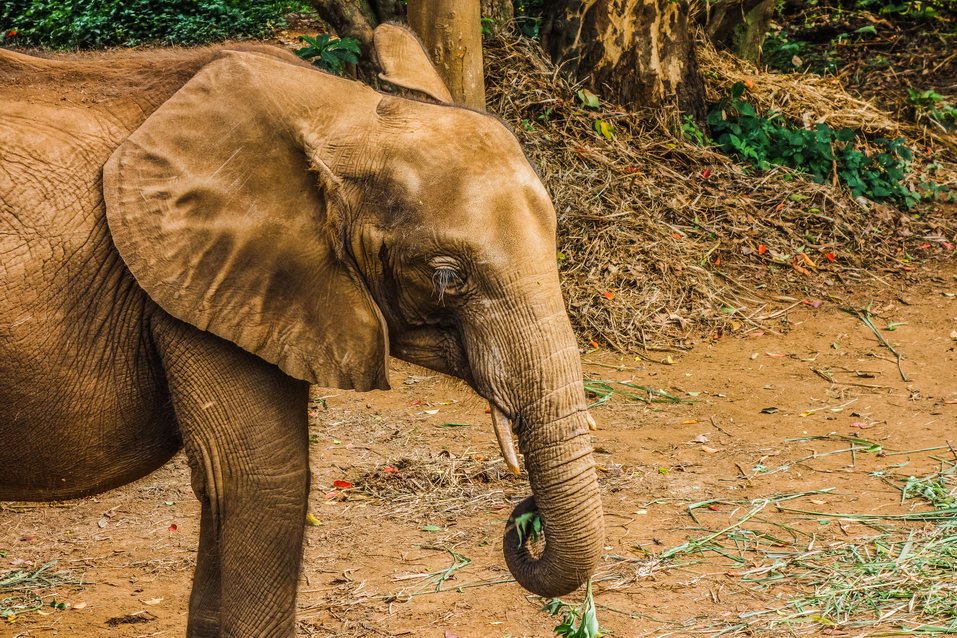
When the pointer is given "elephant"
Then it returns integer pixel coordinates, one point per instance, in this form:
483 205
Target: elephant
190 238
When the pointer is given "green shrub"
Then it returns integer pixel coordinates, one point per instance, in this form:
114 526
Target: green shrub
916 9
528 16
63 24
788 56
823 153
328 53
931 105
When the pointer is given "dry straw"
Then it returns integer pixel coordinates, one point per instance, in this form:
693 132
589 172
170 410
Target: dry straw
663 242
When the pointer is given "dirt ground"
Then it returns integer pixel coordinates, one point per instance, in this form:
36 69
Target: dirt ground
429 491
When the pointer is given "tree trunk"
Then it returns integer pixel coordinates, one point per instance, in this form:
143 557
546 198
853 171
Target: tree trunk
452 35
639 52
450 30
355 20
740 26
498 16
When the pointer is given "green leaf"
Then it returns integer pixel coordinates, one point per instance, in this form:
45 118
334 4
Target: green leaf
528 526
577 623
588 99
331 55
431 528
607 129
746 109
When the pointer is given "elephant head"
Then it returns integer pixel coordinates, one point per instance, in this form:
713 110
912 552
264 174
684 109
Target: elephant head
322 225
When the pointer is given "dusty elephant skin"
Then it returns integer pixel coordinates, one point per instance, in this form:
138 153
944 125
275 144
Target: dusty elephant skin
190 238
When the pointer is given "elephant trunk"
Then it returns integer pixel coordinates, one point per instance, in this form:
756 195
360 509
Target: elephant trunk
529 367
565 494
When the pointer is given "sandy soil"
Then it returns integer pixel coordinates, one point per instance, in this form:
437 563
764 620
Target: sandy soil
370 562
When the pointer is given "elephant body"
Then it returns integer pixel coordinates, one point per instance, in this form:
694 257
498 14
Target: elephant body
189 238
90 411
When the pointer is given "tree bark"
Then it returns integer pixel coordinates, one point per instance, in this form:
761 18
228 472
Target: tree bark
452 35
450 30
639 52
740 26
498 15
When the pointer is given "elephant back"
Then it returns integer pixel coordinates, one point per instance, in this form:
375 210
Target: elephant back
124 85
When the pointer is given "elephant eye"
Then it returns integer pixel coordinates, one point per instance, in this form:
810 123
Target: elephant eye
446 280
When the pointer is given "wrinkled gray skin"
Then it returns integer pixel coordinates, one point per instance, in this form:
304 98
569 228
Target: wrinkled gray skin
258 226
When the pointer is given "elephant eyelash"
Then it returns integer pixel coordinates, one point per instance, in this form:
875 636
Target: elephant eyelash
443 279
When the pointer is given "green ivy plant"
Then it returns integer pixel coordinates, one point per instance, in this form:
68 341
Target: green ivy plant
329 53
824 152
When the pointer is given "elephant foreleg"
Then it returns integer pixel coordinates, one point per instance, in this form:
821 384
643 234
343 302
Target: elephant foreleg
244 429
204 603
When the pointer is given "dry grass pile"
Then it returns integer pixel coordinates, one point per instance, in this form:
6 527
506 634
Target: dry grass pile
421 486
811 98
424 485
663 242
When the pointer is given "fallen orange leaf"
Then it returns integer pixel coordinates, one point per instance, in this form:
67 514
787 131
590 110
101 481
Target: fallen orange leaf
807 260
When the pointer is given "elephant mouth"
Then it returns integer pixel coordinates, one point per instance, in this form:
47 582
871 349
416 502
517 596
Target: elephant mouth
434 348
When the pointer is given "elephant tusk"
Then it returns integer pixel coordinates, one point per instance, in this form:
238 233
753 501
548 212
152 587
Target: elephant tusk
503 432
591 421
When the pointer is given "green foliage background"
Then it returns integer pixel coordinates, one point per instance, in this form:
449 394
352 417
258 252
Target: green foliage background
87 24
824 152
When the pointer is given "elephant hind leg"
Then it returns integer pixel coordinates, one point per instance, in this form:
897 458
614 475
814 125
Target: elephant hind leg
244 429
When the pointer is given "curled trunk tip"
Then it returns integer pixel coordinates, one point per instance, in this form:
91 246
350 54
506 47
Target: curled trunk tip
553 574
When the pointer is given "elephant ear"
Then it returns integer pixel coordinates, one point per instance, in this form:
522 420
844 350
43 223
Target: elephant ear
405 63
225 213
